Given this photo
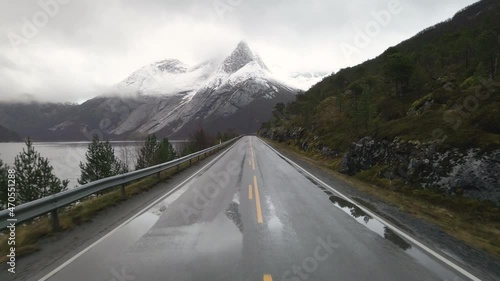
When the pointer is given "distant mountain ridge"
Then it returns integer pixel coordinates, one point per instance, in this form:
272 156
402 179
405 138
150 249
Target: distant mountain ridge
7 135
32 119
169 98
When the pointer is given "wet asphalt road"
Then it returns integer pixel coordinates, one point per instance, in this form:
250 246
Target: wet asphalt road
252 216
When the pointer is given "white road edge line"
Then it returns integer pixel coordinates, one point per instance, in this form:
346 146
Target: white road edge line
53 272
392 227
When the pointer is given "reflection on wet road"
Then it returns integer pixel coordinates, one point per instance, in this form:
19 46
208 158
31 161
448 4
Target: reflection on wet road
252 216
233 213
369 222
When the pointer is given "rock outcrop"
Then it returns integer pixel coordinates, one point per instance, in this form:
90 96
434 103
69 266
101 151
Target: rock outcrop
471 173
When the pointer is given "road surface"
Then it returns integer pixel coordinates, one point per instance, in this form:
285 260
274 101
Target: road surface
251 215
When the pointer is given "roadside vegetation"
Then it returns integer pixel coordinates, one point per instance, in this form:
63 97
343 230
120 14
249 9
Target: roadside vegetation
34 177
101 162
154 152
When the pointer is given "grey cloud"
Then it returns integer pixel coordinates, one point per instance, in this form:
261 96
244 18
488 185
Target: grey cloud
90 45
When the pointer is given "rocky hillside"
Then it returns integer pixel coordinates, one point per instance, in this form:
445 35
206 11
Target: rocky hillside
424 114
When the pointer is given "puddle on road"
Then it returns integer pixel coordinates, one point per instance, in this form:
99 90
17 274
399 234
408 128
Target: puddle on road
385 232
234 215
273 222
369 222
233 212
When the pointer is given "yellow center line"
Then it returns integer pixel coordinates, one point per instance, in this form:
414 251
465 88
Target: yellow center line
268 277
253 164
250 193
257 200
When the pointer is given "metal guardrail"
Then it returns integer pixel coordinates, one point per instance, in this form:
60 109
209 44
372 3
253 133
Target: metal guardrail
50 204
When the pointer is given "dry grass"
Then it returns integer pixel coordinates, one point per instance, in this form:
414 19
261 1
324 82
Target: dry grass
474 222
28 234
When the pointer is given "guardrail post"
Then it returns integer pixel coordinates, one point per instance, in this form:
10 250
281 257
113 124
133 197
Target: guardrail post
55 221
123 191
178 168
159 176
189 162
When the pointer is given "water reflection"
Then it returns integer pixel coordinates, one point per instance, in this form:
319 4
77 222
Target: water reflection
274 223
374 225
233 213
396 239
354 211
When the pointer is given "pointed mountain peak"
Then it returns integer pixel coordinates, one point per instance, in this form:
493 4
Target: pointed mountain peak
243 47
241 56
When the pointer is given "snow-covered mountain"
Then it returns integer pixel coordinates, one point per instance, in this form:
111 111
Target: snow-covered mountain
166 77
170 98
305 80
172 76
300 80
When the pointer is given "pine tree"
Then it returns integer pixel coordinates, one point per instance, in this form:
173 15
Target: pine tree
361 108
34 177
354 93
200 139
340 103
147 154
101 162
418 80
366 110
166 152
398 68
3 185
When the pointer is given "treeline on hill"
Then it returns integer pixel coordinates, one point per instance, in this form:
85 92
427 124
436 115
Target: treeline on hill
35 178
441 85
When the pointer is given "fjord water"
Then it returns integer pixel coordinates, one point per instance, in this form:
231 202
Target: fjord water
65 157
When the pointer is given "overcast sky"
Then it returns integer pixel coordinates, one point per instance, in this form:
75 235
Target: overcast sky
72 50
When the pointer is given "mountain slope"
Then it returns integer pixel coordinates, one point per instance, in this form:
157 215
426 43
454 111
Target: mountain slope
424 114
34 119
7 135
